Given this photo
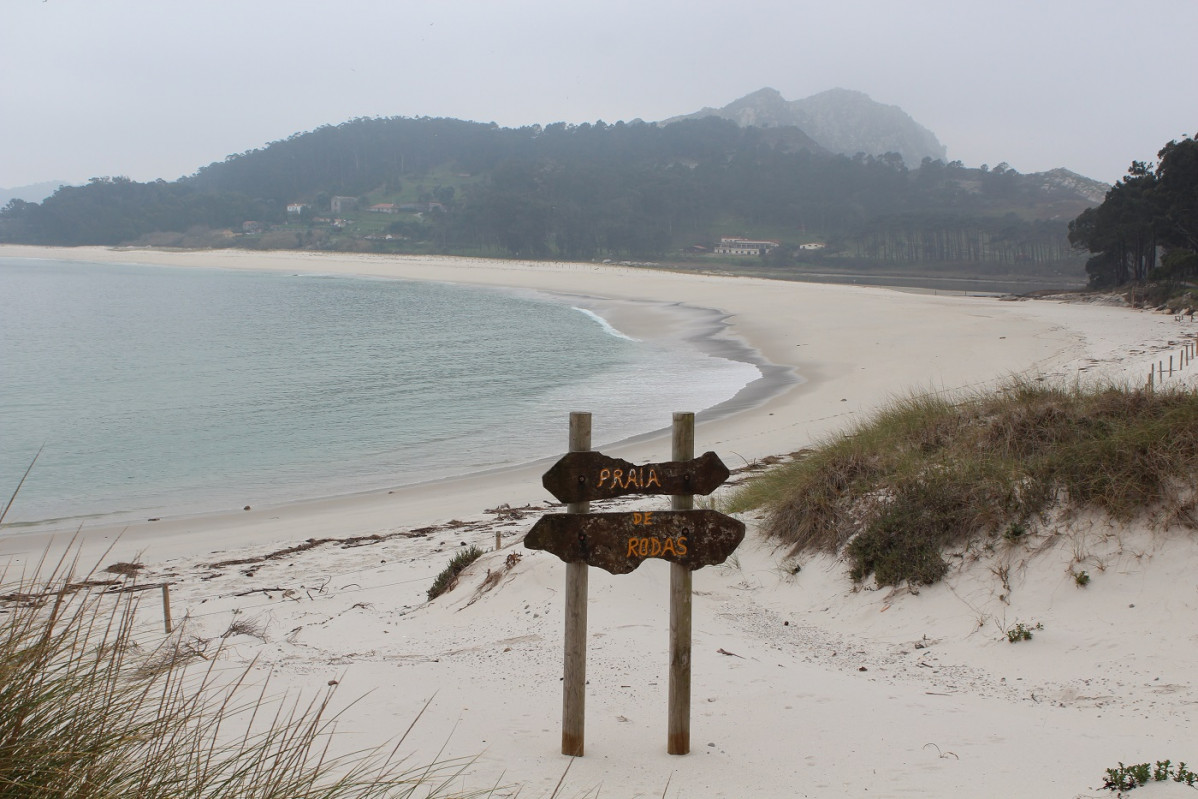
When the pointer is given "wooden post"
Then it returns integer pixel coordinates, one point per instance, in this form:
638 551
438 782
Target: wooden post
1170 366
1151 375
498 541
679 724
574 680
166 607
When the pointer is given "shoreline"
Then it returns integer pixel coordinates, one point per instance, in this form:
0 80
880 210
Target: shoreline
853 346
668 325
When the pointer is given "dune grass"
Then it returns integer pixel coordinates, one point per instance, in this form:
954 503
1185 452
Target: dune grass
933 472
94 706
447 578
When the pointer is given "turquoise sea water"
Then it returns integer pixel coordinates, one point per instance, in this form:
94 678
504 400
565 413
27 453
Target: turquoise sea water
160 390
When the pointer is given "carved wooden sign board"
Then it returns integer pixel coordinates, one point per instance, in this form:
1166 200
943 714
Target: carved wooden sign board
619 542
584 476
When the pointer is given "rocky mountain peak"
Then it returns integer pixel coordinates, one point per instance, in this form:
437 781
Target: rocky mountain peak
839 120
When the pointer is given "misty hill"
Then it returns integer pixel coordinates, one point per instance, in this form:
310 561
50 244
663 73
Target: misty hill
33 193
604 191
838 120
1060 179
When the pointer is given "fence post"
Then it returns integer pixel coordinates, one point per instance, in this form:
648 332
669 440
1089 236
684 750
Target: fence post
574 679
679 723
166 607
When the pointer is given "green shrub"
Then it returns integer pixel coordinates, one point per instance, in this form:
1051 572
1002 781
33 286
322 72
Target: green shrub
448 577
1015 531
1022 632
1124 778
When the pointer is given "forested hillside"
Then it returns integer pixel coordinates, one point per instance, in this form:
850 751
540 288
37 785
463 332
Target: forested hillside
621 191
1152 210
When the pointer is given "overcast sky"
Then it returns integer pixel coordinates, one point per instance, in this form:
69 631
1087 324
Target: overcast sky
157 88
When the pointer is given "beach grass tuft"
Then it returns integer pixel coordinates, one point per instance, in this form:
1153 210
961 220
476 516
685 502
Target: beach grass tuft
448 577
95 706
932 472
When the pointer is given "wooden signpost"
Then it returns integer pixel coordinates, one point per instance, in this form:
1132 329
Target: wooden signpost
584 476
620 542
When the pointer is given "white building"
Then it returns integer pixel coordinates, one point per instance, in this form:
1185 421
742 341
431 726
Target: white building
734 245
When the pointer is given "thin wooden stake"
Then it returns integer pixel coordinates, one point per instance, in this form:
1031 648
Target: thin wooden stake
1170 366
498 541
166 608
574 679
679 729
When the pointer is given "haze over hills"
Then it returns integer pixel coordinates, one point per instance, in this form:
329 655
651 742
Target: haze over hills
33 193
838 194
839 120
850 122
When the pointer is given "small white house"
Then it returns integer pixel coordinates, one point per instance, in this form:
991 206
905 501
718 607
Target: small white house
734 245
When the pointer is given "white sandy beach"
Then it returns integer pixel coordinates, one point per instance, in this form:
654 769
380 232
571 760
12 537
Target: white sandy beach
802 686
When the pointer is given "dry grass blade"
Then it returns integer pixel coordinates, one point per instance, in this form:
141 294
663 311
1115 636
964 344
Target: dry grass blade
562 780
16 491
87 713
